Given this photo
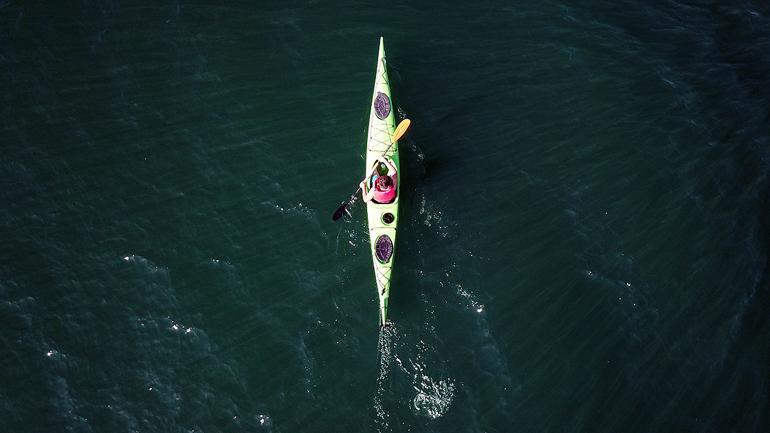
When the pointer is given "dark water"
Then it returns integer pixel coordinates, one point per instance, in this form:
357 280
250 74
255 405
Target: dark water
584 230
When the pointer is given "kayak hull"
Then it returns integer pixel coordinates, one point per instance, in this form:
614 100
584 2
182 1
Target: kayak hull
382 218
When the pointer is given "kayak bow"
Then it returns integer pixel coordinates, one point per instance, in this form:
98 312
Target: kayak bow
383 218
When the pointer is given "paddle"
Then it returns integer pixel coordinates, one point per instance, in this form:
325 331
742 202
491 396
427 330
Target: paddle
398 133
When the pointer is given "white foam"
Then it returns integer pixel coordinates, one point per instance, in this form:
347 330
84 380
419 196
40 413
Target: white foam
386 345
433 396
264 420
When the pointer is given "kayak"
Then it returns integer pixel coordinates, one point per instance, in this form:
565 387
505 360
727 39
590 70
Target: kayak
382 218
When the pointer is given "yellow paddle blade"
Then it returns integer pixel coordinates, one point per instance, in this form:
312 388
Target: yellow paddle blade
401 129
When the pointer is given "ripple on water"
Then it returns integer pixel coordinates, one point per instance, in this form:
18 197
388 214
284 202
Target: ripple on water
433 397
386 345
417 365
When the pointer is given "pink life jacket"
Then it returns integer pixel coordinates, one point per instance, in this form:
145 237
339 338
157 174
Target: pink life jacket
386 196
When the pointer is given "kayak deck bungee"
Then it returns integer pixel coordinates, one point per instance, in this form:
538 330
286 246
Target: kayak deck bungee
382 218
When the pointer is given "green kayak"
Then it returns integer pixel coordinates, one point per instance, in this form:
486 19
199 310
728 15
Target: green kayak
383 218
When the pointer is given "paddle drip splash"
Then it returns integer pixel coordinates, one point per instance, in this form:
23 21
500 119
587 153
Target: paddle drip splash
433 396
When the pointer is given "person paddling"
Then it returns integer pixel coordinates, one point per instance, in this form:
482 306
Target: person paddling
382 185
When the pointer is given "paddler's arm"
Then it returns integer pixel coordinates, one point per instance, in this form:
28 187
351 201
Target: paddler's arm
391 167
366 193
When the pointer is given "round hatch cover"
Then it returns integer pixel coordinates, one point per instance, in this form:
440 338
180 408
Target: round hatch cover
381 105
383 248
388 218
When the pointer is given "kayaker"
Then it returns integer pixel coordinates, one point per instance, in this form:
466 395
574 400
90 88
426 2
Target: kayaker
381 186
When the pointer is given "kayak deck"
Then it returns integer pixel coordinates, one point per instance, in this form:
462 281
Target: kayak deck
382 218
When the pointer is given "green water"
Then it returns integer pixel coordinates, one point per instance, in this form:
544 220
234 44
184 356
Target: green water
582 244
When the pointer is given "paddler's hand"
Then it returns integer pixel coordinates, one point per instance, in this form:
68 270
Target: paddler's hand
366 193
386 161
